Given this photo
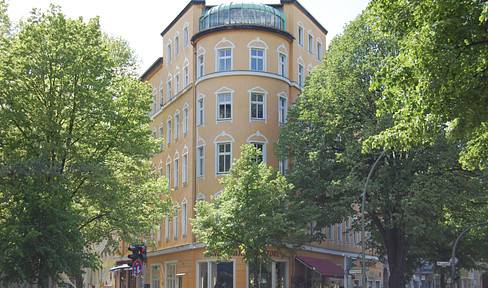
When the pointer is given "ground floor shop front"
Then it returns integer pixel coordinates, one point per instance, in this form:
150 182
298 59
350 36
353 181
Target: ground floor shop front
185 268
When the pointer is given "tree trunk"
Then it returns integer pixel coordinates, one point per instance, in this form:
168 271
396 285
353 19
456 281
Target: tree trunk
396 251
443 278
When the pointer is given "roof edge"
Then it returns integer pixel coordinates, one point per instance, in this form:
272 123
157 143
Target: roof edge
152 68
305 11
187 7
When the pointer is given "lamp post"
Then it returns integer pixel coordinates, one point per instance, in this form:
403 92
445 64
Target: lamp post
453 257
363 237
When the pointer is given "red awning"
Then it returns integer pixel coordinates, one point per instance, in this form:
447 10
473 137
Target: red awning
323 266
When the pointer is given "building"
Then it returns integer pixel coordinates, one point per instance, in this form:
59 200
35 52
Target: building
226 78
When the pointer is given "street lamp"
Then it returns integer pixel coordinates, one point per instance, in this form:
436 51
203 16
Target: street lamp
363 238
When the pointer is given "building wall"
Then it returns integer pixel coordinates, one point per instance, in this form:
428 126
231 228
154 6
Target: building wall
273 83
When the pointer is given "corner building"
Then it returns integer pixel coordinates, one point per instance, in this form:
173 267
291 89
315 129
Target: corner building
226 78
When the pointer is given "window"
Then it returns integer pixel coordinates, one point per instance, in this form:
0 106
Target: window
224 106
166 228
175 226
177 83
213 274
161 135
184 218
185 36
200 110
177 126
257 59
300 35
283 166
168 131
168 174
201 65
224 59
262 150
331 233
224 156
310 43
185 120
169 91
282 109
154 98
301 76
319 50
185 169
161 95
347 231
257 106
155 275
177 45
339 233
160 232
186 76
282 64
171 275
168 52
356 238
275 274
200 162
176 176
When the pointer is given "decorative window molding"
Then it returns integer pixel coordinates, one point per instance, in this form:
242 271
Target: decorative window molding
257 104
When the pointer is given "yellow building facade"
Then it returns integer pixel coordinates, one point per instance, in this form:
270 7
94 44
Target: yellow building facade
227 77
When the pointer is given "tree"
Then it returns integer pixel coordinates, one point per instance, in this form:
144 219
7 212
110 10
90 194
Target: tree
249 216
74 148
411 193
439 79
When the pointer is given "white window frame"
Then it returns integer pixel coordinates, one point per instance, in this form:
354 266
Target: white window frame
170 278
166 228
200 161
161 133
155 282
301 75
222 45
177 44
169 89
255 104
223 104
310 42
258 59
301 34
319 49
339 233
282 108
175 225
185 119
283 167
210 276
282 64
168 173
263 149
184 217
200 65
347 234
260 139
186 76
168 130
331 233
161 94
177 83
168 51
225 59
184 169
177 125
201 111
225 154
273 273
176 175
185 35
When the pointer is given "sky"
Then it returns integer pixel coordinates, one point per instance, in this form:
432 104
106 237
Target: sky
141 21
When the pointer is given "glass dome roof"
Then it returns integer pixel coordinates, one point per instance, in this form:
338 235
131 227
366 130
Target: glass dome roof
242 13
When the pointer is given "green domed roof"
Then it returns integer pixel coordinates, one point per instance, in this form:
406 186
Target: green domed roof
242 13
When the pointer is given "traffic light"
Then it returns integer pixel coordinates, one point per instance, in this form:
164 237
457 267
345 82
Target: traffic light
142 252
135 254
350 262
455 277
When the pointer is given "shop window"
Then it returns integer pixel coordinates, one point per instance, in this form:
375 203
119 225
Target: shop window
171 275
211 274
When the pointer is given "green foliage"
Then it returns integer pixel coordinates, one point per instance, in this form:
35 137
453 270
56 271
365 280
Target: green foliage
439 79
412 195
74 148
249 216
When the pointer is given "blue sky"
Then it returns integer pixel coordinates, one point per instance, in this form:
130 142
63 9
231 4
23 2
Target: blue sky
141 22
